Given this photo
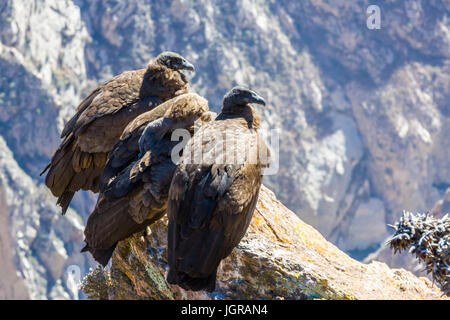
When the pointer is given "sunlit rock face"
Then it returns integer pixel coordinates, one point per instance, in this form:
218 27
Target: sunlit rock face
280 257
362 115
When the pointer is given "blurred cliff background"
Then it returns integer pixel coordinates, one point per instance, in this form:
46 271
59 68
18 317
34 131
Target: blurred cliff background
364 115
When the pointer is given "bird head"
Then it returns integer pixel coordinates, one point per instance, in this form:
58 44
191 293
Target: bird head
240 96
174 61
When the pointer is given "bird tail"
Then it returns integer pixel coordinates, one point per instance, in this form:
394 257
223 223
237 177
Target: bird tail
101 256
191 283
64 201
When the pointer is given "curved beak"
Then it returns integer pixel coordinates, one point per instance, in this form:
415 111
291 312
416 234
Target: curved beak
186 65
257 99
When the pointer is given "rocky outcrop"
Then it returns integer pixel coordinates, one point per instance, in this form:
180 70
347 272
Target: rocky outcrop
280 257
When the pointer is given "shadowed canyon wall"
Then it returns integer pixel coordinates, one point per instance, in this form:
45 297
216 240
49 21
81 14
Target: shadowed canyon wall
363 115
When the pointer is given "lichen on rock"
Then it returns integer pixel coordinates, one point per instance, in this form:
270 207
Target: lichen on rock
280 257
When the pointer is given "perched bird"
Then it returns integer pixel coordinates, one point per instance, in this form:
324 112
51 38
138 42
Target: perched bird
100 119
135 182
212 197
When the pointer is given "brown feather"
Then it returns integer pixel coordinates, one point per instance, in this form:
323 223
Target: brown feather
76 160
100 159
211 204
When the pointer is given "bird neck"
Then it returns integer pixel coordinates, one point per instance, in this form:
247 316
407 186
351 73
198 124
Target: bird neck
163 82
247 112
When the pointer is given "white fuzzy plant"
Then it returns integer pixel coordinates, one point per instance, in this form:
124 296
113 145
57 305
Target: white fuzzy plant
429 239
